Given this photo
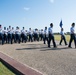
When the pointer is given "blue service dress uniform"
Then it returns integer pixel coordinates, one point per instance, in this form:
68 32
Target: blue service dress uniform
51 37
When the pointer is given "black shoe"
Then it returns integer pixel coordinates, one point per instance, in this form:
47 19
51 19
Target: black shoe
2 43
55 47
60 44
69 46
66 44
49 46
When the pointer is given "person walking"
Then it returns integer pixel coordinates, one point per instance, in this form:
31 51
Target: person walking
18 35
72 35
62 37
23 35
9 35
51 36
5 35
30 35
1 35
45 36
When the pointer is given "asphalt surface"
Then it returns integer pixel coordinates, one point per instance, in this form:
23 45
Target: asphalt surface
49 61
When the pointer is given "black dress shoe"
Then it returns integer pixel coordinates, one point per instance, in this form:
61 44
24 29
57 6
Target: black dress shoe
49 46
66 44
55 47
69 47
60 44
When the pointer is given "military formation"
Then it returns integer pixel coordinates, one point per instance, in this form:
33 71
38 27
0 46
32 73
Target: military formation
12 35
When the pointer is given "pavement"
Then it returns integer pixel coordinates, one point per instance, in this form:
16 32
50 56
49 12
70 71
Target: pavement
49 61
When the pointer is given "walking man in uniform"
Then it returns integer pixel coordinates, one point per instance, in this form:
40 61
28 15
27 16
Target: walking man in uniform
1 35
30 35
18 35
62 37
5 34
72 35
51 36
23 35
45 37
9 35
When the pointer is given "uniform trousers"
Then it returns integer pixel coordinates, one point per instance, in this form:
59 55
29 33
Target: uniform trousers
36 37
63 38
2 38
5 37
30 37
45 38
51 37
10 38
72 37
18 38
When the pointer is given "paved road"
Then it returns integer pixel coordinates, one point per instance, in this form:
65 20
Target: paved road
49 61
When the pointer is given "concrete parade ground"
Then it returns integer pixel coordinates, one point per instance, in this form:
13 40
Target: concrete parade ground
48 61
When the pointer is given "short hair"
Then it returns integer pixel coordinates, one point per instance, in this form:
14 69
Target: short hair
0 25
73 24
9 26
23 27
29 28
45 27
51 24
17 27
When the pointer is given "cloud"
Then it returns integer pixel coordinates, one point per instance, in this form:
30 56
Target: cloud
26 8
52 1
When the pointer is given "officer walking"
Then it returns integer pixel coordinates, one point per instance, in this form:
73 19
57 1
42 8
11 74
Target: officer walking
51 36
23 35
45 37
36 38
9 35
18 35
42 34
13 35
30 35
72 35
62 37
5 34
1 35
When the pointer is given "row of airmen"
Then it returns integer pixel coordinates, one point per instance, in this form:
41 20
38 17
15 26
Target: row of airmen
10 35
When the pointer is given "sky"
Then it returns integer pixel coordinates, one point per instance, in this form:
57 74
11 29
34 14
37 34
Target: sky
38 13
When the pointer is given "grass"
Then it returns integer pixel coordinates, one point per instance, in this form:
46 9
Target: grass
4 70
58 37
